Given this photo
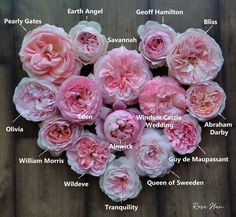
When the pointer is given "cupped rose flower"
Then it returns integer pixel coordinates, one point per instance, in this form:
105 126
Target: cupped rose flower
162 96
120 181
120 127
89 43
194 57
79 99
151 154
57 134
35 100
185 134
155 40
47 53
90 155
121 74
205 100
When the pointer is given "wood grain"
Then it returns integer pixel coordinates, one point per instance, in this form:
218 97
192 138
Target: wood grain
7 197
28 190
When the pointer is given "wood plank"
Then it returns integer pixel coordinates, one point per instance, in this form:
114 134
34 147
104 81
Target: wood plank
228 34
40 188
215 188
7 188
119 21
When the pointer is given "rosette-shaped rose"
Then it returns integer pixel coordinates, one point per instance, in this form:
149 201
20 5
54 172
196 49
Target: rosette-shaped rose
79 99
120 127
35 99
185 134
90 155
89 43
47 53
162 96
121 74
57 134
151 154
194 57
155 40
205 100
120 181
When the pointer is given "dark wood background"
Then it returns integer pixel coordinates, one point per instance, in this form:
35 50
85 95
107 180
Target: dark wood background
38 190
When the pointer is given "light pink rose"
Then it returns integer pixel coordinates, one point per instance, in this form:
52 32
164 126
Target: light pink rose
57 134
90 44
151 154
120 127
121 74
155 40
79 99
162 96
89 155
47 53
120 181
194 57
35 100
205 100
185 134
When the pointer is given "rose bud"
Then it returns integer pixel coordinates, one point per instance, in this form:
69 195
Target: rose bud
205 100
185 134
194 57
89 43
121 74
57 134
155 40
151 154
79 99
47 53
35 100
89 154
120 181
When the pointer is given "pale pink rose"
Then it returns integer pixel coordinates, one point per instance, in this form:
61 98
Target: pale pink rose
120 181
185 134
57 134
79 99
194 57
121 74
205 100
155 40
120 127
89 43
35 100
47 53
162 96
151 154
90 155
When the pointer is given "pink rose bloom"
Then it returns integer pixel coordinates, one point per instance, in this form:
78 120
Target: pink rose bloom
79 99
35 100
155 40
205 100
90 44
89 154
121 74
194 57
185 134
120 127
120 181
162 96
151 154
47 53
57 134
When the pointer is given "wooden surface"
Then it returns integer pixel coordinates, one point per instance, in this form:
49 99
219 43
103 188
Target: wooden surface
38 190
